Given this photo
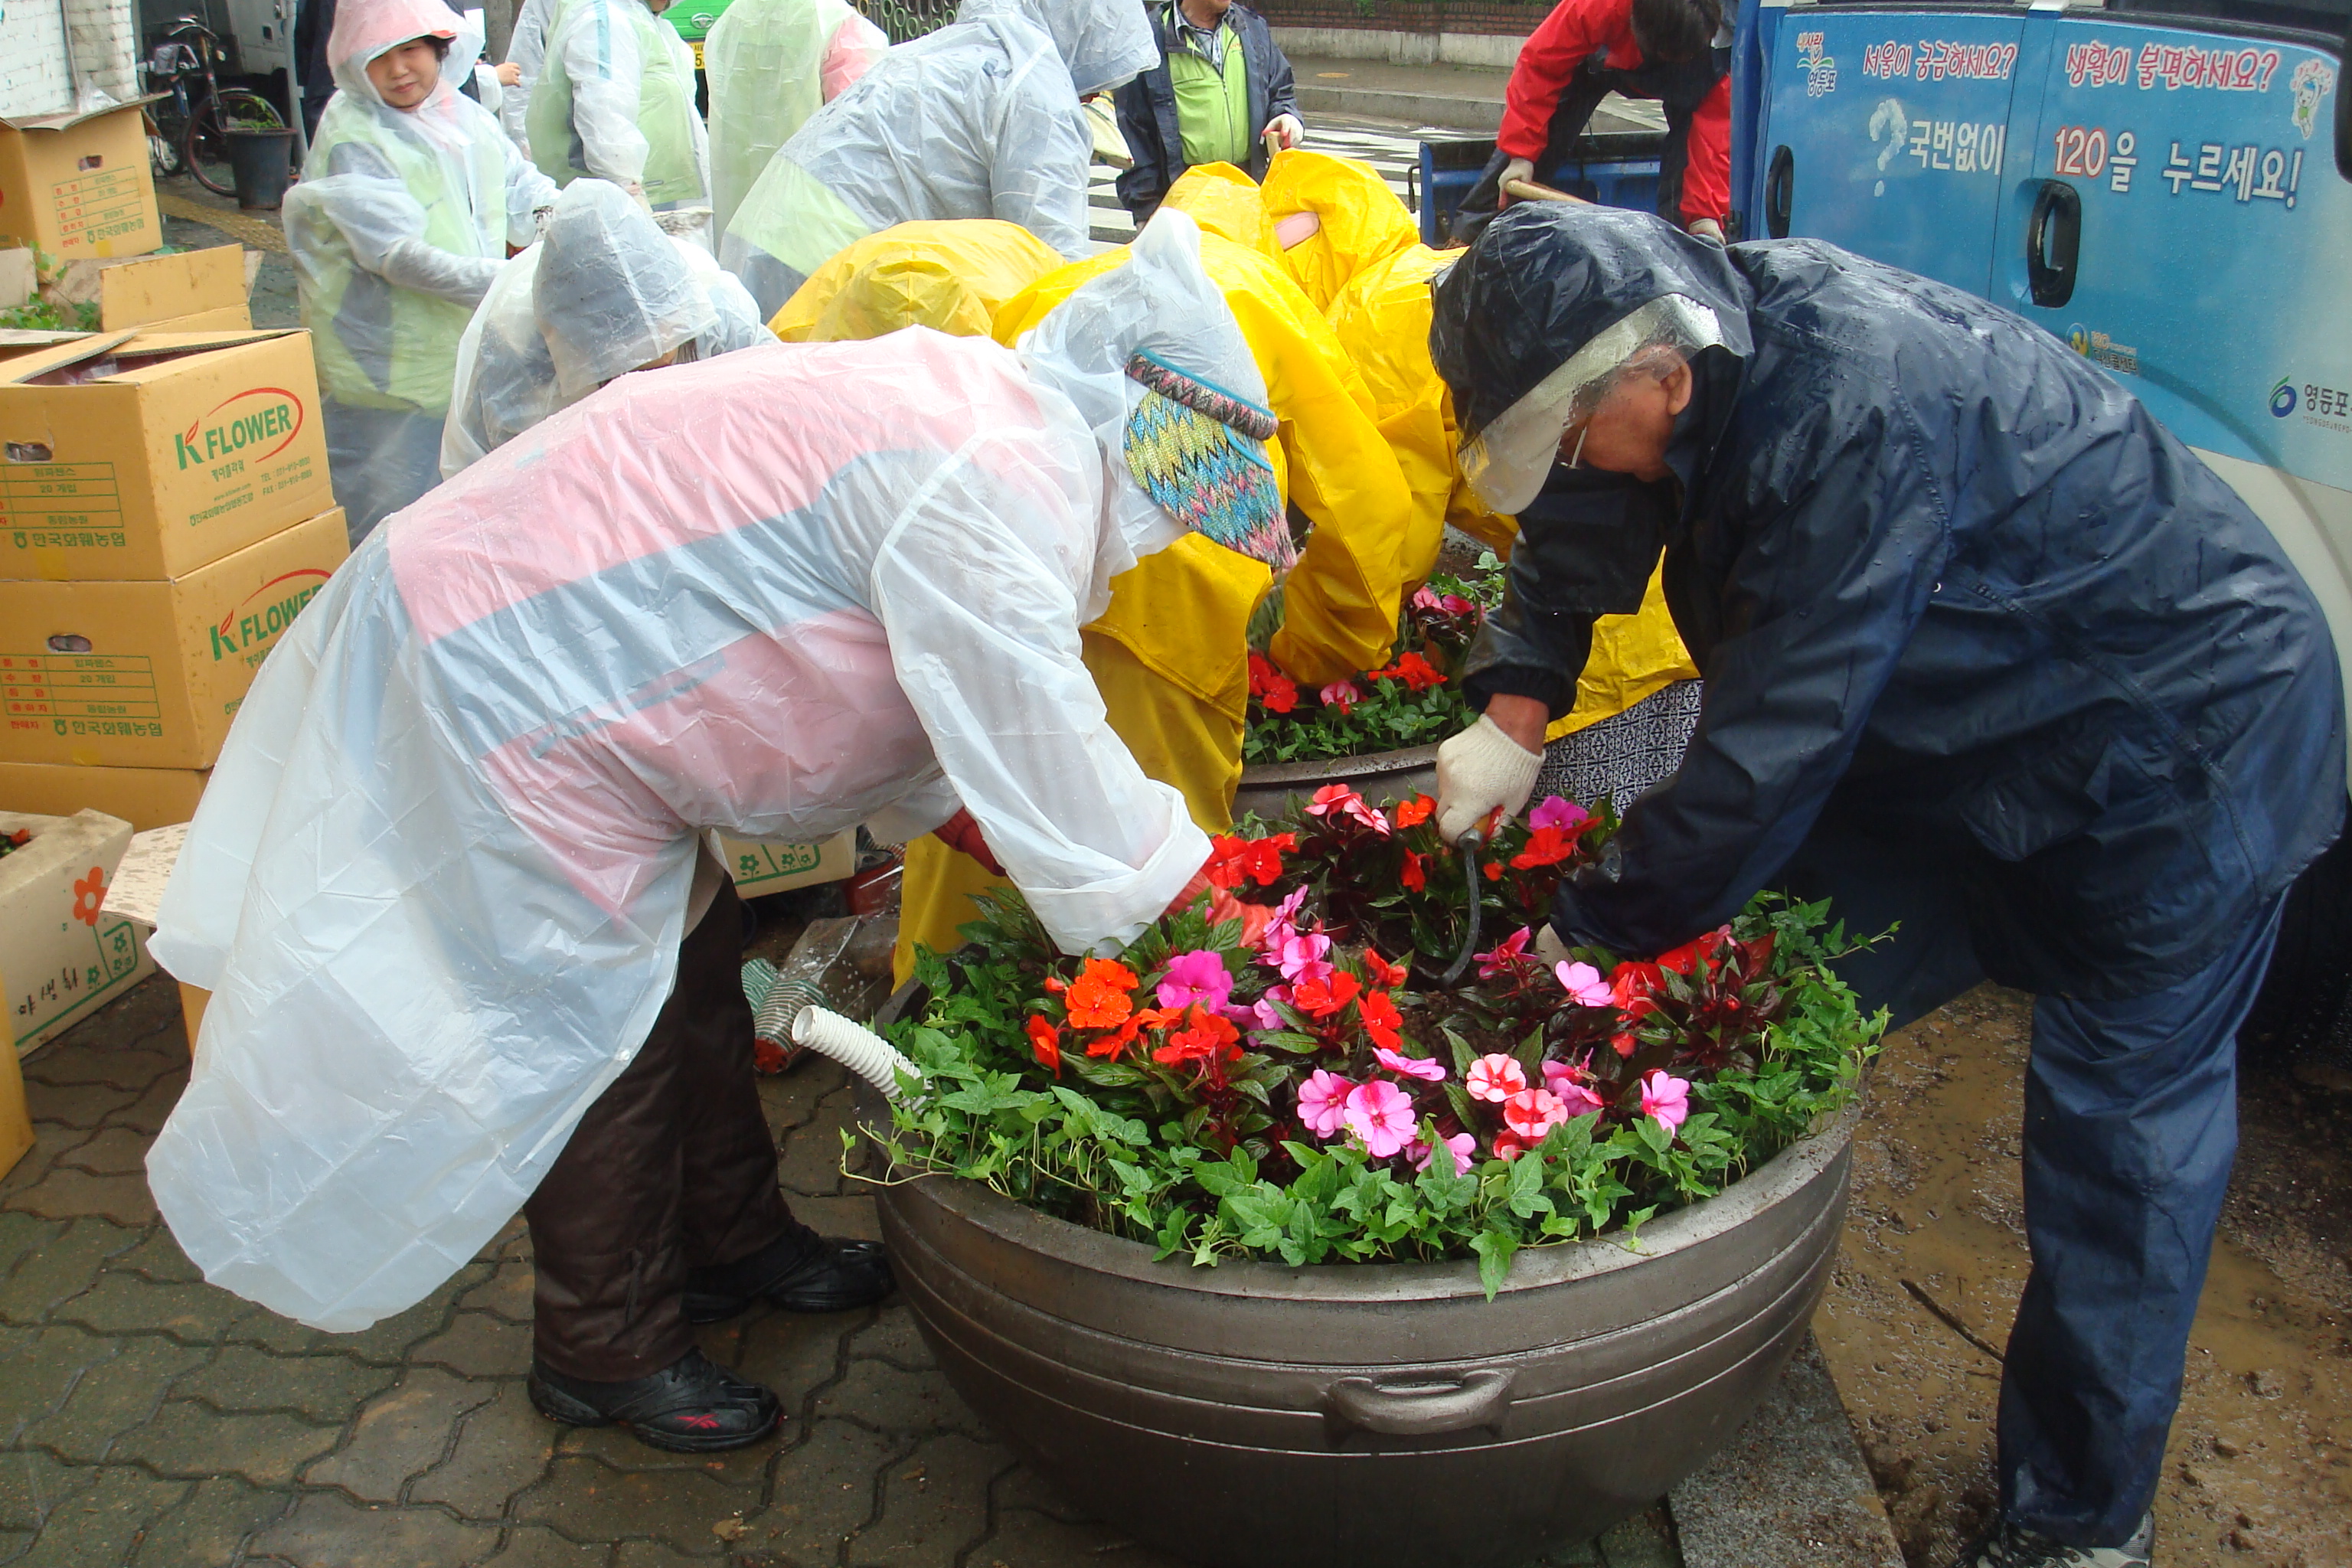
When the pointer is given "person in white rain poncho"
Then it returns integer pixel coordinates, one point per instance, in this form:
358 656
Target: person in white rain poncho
401 219
442 885
614 99
771 64
527 54
981 118
604 294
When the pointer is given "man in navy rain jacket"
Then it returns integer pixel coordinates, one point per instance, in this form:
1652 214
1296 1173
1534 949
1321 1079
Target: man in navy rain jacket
1197 40
1987 652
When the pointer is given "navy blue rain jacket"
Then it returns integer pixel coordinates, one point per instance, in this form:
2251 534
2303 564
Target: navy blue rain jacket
1147 110
1943 578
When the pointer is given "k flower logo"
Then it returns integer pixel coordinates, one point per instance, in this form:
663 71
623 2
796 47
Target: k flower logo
90 895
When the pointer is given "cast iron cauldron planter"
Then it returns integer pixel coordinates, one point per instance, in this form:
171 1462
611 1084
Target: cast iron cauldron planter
1382 777
1368 1415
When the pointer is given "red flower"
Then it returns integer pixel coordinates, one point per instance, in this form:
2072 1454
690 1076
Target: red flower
90 895
1205 1038
1045 1041
1270 687
1414 671
1509 1146
1322 997
1233 857
1414 812
1144 1018
1493 871
1100 997
1056 985
1415 875
1383 971
1382 1019
1546 847
1688 958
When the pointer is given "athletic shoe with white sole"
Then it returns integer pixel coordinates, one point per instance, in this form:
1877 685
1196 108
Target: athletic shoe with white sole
2011 1545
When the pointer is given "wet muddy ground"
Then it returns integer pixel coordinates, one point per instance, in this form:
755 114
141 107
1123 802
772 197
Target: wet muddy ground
2259 1467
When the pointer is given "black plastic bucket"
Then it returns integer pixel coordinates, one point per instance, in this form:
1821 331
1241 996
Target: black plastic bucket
263 165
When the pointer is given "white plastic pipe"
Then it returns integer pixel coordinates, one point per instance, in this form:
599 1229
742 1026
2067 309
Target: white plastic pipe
855 1046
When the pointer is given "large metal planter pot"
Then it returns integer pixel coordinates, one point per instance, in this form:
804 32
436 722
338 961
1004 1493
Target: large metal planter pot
1380 777
1368 1415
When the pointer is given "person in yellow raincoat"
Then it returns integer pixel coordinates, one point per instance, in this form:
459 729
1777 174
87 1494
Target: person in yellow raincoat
1354 249
1170 655
949 274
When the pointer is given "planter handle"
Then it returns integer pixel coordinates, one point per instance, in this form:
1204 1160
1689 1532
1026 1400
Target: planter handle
1419 1409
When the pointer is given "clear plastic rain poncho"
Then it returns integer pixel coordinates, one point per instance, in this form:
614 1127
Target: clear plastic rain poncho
771 64
604 293
614 100
978 120
437 883
399 223
527 52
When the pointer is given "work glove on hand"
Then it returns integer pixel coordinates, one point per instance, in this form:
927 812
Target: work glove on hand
1517 169
960 832
1480 772
1287 131
1705 228
1550 950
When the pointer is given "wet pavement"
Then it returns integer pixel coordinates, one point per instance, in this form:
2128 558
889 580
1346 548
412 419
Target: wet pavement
148 1418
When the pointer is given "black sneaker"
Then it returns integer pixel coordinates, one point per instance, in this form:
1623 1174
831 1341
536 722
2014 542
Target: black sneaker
799 1271
693 1406
2014 1546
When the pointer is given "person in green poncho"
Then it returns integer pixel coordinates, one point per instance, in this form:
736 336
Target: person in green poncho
614 99
406 206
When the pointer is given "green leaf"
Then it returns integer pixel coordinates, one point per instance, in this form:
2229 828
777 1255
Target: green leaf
1495 1248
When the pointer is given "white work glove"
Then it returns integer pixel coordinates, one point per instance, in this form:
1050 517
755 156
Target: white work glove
1287 128
1705 228
1479 772
1550 952
1517 169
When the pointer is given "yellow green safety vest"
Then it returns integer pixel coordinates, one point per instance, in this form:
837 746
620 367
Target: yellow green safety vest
379 345
665 109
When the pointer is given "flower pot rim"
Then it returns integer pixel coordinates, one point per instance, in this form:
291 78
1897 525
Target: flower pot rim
1778 1180
1325 769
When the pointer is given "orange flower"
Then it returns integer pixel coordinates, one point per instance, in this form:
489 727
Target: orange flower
1099 998
1383 971
1382 1019
1546 847
1414 671
90 896
1118 1040
1415 875
1414 812
1323 997
1046 1041
1206 1039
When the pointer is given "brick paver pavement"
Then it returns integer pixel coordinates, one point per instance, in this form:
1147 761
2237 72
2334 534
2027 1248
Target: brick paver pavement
148 1418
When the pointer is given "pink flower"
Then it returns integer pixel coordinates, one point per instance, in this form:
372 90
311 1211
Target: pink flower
1333 802
1569 1083
1532 1112
1509 1146
1455 604
1260 1014
1462 1147
1420 1067
1505 955
1665 1100
1381 1115
1494 1076
1425 598
1281 926
1583 983
1341 694
1556 811
1300 958
1323 1102
1198 977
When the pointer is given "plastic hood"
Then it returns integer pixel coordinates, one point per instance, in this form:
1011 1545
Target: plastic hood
1106 42
1545 279
1161 302
612 292
366 28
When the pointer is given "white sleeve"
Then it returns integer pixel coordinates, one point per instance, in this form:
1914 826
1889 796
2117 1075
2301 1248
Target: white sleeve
928 802
528 191
527 51
984 633
364 197
598 53
1043 147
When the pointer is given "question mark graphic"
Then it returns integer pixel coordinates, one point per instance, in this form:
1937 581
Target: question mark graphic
1888 117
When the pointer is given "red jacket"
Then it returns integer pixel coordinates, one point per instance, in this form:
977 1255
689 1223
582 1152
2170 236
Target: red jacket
1574 33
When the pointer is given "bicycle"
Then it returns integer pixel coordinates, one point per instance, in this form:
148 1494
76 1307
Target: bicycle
187 131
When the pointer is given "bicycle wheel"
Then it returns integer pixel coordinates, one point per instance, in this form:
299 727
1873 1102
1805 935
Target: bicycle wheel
162 148
204 145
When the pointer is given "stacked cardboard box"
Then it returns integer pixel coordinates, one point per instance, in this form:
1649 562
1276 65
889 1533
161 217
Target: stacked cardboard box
75 187
62 956
165 513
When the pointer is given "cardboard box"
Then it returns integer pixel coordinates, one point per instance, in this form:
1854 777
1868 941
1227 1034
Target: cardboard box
15 1120
146 455
76 186
191 1011
147 675
769 867
144 797
67 958
152 290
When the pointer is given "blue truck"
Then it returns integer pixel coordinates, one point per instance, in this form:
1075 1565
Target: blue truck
2165 184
